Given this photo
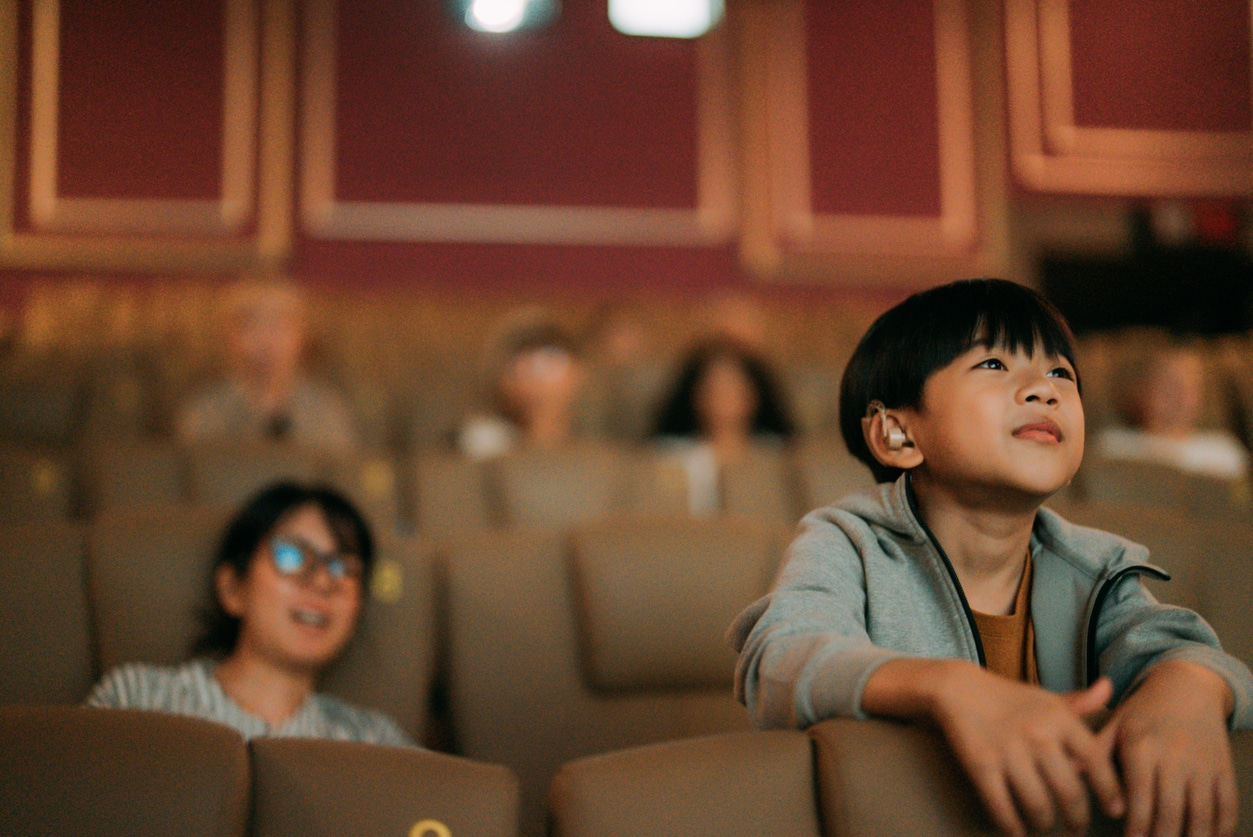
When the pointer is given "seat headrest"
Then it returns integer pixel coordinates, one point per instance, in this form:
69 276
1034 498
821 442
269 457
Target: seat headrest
654 599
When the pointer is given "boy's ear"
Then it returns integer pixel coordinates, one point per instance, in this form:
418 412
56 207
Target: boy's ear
887 435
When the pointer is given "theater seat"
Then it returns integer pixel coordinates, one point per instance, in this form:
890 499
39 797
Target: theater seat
562 487
827 471
67 770
45 647
150 581
450 496
551 640
227 475
749 784
121 475
305 786
35 484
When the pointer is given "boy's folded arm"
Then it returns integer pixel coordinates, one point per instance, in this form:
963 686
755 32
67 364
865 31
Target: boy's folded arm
1137 634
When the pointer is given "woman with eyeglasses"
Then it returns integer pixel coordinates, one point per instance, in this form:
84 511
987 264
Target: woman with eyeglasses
287 591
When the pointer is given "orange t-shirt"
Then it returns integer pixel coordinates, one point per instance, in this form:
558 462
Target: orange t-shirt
1009 641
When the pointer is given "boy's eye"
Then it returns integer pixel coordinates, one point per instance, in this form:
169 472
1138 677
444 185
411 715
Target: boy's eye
1062 372
990 363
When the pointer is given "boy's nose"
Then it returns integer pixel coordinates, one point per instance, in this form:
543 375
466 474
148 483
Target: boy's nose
1041 388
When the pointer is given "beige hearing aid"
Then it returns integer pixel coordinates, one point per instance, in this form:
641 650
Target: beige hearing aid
893 437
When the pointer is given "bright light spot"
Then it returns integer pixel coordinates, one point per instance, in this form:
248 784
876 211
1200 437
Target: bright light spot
666 18
496 15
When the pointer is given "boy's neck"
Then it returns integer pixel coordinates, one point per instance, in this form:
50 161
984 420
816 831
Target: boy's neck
986 544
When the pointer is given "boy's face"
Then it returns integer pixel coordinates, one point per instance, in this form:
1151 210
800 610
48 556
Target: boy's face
994 421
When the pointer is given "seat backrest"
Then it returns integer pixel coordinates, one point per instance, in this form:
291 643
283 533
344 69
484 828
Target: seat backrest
35 484
68 770
227 475
449 496
45 648
371 482
827 471
121 475
1155 485
1176 543
562 487
761 485
1227 584
39 405
655 598
514 641
389 663
149 578
308 786
747 783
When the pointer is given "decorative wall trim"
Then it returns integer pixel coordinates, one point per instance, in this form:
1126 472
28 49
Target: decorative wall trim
54 213
1051 153
126 236
324 216
784 234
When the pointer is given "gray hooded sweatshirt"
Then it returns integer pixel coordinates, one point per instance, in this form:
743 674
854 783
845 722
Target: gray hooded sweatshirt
865 582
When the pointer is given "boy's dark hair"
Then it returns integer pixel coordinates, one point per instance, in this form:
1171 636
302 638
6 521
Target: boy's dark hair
678 414
248 530
926 332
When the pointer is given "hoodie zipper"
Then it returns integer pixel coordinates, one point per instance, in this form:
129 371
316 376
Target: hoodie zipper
1092 663
948 565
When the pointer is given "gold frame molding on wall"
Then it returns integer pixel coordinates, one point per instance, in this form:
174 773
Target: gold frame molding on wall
128 235
322 215
1051 153
784 236
53 213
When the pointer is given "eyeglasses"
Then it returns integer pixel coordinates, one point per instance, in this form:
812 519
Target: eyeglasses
297 559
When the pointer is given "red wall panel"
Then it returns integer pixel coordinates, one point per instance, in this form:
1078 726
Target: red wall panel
574 115
141 99
873 112
1160 65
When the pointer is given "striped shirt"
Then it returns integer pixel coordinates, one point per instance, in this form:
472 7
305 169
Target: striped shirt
191 689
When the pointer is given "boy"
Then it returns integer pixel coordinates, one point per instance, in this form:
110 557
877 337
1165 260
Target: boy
947 594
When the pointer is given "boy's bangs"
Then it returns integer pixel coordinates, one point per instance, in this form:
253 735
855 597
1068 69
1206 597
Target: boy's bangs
1002 329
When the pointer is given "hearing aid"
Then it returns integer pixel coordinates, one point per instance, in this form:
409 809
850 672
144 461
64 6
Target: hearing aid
893 437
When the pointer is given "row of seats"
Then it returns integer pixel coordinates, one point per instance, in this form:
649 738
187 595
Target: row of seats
79 771
438 494
443 494
545 644
548 645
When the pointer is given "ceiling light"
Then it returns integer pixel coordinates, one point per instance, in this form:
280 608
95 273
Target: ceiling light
501 16
665 18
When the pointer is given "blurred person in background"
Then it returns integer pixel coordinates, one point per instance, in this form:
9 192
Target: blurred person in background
266 395
724 403
532 381
287 591
1161 404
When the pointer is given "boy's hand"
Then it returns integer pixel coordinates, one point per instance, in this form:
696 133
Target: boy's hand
1170 736
1029 751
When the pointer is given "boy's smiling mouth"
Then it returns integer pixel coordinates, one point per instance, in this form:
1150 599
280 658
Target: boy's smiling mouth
1046 431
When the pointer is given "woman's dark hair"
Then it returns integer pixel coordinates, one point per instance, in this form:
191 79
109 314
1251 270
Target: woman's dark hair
926 332
248 530
678 415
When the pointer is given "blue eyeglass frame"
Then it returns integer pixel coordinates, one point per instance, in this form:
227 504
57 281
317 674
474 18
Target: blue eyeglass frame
295 558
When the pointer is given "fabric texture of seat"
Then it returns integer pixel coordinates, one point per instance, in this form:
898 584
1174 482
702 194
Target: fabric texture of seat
654 599
309 787
563 487
884 779
67 770
518 694
748 783
761 485
149 577
227 475
46 647
35 484
450 496
133 475
827 472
